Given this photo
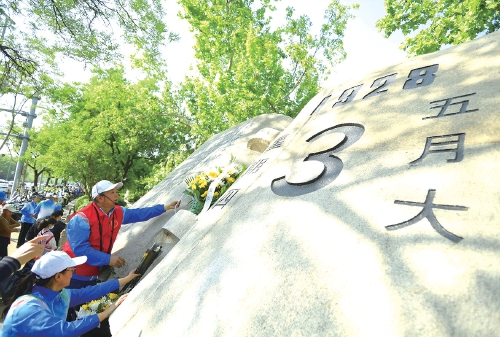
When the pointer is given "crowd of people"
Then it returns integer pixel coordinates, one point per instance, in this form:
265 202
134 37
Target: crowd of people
58 281
63 193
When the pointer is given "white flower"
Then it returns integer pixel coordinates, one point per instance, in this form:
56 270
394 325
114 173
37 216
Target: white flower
83 313
94 306
224 175
233 167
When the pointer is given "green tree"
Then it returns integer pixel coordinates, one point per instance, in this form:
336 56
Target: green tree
91 31
109 129
439 22
247 68
39 143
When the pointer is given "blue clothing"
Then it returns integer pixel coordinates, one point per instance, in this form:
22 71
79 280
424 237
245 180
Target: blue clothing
43 312
46 208
79 284
26 212
78 232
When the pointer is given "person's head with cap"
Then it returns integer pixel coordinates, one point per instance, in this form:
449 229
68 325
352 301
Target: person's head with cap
105 194
51 195
53 271
35 197
56 262
8 209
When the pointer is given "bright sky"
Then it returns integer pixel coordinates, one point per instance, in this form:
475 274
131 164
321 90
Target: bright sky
366 48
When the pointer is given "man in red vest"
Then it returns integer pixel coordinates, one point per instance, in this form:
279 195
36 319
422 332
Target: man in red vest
92 231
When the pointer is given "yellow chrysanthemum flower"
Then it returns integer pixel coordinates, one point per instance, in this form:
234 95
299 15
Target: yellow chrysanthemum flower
112 296
216 194
230 180
213 174
204 194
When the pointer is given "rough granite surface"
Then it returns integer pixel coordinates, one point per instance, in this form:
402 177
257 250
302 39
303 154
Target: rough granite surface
397 234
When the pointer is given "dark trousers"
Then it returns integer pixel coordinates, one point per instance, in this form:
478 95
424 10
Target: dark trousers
22 233
4 246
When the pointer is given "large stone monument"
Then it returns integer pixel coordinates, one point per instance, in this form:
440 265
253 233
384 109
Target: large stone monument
370 214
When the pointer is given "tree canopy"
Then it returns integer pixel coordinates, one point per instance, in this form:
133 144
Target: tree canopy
439 22
247 65
247 68
35 33
109 129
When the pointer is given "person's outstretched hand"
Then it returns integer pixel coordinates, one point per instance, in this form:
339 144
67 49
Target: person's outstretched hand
116 261
132 275
105 314
172 205
30 249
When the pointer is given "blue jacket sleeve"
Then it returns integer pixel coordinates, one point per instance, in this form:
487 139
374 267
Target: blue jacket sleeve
33 320
25 211
78 232
141 214
87 294
37 208
58 207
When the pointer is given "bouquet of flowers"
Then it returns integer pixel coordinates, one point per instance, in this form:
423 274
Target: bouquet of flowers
96 306
198 186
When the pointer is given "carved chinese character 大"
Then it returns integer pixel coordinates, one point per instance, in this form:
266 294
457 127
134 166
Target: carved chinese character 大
427 212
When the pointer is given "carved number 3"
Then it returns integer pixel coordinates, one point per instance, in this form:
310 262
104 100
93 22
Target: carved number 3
332 165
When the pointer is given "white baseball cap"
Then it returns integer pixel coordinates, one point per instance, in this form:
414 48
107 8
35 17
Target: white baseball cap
103 186
10 207
55 262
